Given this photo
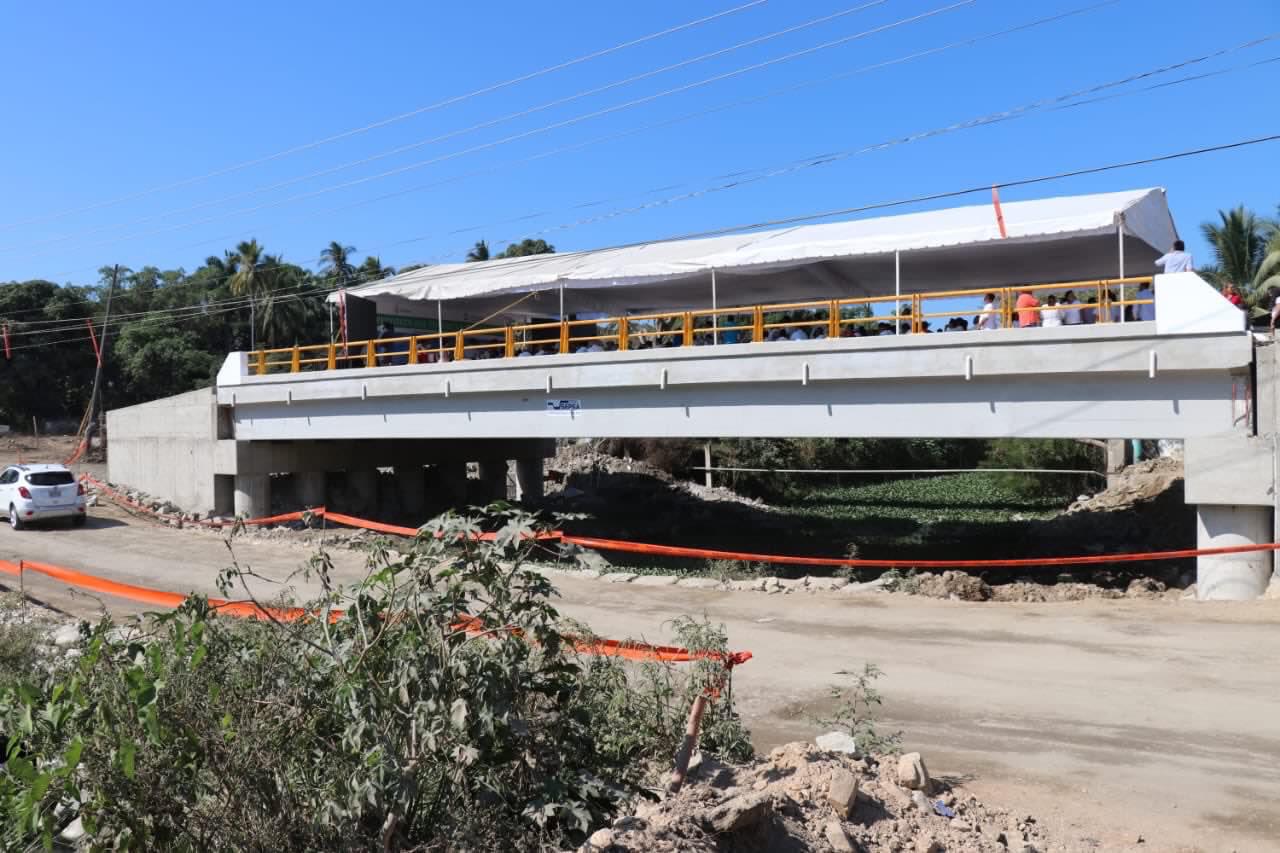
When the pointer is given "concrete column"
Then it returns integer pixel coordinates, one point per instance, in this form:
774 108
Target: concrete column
493 479
529 478
310 488
411 483
451 477
1232 577
362 489
253 495
1116 452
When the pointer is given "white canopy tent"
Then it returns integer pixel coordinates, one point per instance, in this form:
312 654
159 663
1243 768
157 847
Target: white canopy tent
1070 238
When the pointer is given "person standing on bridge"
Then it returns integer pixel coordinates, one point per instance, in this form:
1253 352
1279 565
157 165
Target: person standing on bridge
1051 314
1071 311
990 317
1028 310
1176 260
1147 311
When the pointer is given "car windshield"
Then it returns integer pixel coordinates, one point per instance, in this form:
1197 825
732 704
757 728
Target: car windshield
51 478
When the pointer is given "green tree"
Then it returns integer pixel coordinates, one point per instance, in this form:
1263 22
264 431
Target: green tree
479 252
248 274
336 263
527 247
1268 275
372 269
1238 240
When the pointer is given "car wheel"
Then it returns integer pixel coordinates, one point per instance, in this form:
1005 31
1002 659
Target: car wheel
14 521
78 520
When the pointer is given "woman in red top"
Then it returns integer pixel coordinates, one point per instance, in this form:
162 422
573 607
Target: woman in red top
1233 296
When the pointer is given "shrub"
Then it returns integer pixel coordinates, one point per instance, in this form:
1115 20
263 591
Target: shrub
390 727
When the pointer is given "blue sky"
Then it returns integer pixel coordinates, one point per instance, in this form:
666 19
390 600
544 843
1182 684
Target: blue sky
108 100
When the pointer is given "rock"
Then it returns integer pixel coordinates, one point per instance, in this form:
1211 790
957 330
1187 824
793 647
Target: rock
1273 589
928 844
590 574
73 833
837 839
756 585
594 560
843 792
912 772
618 577
960 825
841 742
700 583
66 636
825 583
860 588
922 802
738 813
655 580
601 839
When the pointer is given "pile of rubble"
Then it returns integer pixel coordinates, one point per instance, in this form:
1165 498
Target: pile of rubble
802 797
583 469
1136 484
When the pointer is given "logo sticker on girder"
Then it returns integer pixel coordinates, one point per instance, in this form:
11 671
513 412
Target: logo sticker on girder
563 407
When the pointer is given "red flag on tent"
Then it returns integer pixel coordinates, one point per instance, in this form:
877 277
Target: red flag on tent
995 200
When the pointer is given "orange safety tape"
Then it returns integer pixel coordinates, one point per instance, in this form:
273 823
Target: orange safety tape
1083 560
247 609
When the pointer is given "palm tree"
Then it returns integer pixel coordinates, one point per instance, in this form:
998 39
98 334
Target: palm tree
247 268
1268 275
1239 246
479 252
372 269
336 262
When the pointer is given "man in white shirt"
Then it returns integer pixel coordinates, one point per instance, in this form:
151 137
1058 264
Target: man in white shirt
1145 312
1178 260
990 313
1051 314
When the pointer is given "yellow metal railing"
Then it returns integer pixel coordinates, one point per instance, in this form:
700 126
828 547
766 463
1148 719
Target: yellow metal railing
829 318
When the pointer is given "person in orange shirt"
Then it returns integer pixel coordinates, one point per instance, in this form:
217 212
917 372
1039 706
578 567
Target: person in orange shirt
1027 315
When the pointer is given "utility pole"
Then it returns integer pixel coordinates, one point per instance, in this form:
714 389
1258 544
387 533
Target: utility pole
102 357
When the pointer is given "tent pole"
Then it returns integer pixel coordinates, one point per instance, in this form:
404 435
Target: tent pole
1120 242
715 319
562 301
330 322
897 291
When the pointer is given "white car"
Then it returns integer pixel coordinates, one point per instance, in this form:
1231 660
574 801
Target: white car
40 493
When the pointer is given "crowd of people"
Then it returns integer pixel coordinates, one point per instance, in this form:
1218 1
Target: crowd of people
1063 308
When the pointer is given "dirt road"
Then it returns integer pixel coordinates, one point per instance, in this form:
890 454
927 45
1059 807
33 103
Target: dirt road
1113 720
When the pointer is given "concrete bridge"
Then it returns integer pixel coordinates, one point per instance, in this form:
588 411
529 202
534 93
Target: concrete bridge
1192 374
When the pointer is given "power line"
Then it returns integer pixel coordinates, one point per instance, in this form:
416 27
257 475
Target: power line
829 158
457 132
545 128
346 134
686 117
919 199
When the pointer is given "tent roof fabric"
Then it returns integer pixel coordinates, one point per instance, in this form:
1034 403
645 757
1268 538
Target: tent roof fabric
964 232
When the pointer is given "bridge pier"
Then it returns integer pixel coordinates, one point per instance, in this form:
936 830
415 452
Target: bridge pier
493 479
411 483
362 489
253 495
310 488
1233 577
529 477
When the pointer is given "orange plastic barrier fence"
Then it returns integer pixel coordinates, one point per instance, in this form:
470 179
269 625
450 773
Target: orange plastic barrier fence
1082 560
628 546
250 610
